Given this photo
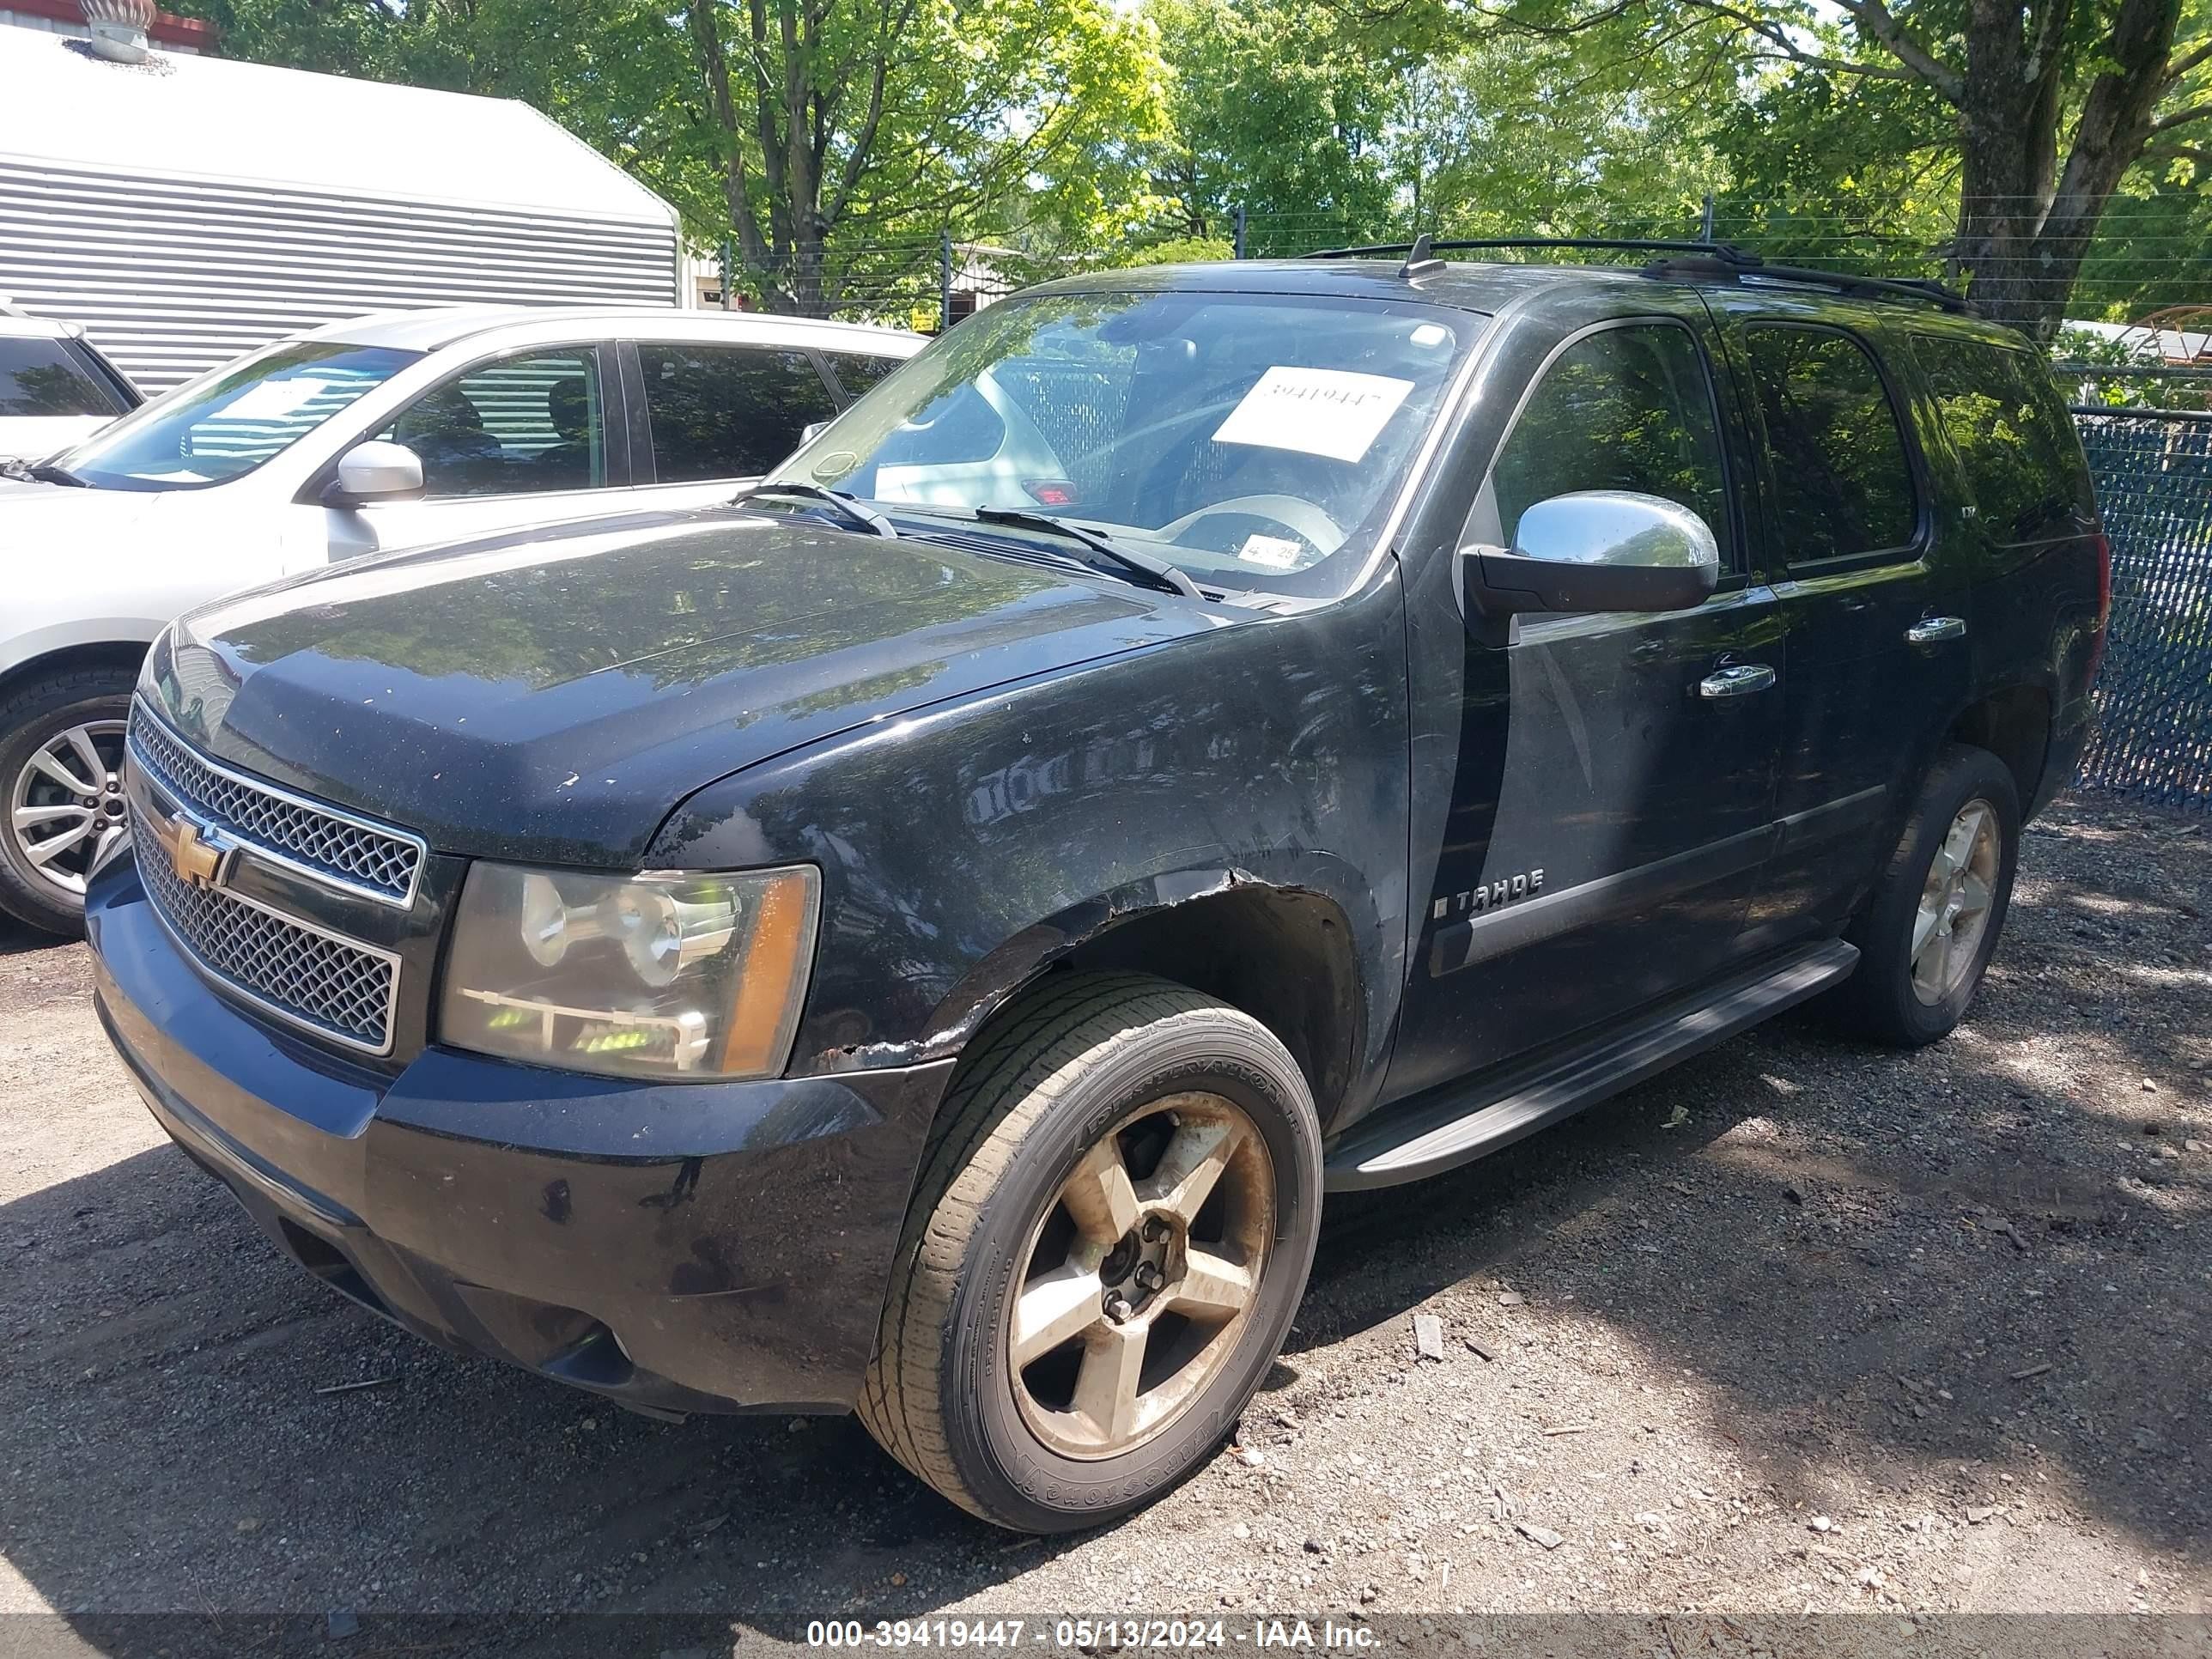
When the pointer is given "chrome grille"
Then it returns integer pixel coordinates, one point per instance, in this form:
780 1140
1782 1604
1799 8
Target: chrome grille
316 840
313 979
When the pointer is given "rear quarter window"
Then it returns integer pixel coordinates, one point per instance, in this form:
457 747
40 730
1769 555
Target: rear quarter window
2002 413
41 378
857 371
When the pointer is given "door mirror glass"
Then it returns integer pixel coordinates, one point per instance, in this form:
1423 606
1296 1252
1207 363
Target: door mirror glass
375 472
1596 549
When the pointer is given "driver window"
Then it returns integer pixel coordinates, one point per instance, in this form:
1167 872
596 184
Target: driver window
521 425
1626 408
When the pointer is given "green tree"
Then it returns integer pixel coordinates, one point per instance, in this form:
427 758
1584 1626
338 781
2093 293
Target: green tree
830 141
878 119
1281 108
2028 114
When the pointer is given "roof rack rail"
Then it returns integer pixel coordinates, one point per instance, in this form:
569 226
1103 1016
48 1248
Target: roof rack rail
1704 258
1924 289
1723 251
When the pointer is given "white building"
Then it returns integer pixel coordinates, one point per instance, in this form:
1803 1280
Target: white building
186 209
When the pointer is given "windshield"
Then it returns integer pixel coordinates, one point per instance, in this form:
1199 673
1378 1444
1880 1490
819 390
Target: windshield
226 425
1249 438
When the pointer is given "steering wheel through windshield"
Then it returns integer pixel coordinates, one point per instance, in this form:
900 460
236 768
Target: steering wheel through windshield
1293 513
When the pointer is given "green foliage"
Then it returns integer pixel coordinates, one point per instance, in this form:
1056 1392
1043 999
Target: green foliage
836 140
1180 251
1278 108
832 139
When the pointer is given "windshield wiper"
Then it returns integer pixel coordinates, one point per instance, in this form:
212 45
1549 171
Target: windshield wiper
44 472
1155 572
865 518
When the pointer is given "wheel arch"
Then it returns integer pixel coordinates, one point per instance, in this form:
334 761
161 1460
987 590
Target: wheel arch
114 645
1285 954
2013 723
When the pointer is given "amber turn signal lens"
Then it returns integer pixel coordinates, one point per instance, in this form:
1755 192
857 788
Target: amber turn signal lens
765 1012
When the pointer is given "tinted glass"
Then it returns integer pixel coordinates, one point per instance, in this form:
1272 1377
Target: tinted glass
40 378
1623 408
521 425
856 373
1247 438
229 422
727 411
2004 420
1842 484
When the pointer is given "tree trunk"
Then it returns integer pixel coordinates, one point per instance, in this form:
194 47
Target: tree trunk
2025 226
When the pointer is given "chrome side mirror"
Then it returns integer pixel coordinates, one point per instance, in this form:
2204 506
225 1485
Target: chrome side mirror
1595 549
375 472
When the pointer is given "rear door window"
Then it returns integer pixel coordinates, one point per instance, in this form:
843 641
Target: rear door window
1630 407
2003 418
40 378
1842 481
523 425
727 411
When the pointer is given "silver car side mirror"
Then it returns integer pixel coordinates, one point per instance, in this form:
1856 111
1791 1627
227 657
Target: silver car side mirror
1596 549
812 430
375 472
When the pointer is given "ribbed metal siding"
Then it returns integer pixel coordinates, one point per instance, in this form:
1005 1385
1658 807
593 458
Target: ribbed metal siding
172 276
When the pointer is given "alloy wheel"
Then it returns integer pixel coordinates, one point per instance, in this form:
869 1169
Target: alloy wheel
1140 1276
1954 903
65 806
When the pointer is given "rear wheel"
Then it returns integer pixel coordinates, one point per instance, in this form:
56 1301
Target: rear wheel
1110 1236
1933 919
60 771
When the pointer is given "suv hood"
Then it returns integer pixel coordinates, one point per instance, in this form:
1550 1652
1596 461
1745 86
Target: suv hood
553 695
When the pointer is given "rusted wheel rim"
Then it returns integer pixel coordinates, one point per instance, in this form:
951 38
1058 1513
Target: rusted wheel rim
1954 903
1140 1278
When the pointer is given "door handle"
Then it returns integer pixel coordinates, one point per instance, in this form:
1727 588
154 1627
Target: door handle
1928 629
1737 680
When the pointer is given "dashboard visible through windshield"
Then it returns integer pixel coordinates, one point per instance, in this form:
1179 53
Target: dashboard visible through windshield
1248 438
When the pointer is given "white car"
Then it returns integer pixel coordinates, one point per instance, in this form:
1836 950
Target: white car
55 387
400 430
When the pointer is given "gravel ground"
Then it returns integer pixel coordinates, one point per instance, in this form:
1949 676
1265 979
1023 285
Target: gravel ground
1798 1326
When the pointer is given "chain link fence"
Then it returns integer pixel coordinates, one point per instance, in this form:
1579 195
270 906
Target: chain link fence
2154 739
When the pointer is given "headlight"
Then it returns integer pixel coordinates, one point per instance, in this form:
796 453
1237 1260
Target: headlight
664 974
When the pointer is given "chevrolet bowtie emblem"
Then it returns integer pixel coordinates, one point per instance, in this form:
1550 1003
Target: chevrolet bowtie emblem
197 860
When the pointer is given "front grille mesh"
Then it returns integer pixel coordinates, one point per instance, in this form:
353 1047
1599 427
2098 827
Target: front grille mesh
320 983
347 851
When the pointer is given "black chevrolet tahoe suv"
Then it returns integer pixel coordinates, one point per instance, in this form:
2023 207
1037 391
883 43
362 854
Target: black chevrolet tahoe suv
925 937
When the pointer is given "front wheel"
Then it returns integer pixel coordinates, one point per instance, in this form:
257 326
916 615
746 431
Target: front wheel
1110 1236
61 767
1933 921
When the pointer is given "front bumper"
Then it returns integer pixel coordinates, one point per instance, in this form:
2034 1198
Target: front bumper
676 1247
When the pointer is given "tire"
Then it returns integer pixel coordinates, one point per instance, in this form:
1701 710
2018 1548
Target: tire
1886 1000
49 893
1091 1074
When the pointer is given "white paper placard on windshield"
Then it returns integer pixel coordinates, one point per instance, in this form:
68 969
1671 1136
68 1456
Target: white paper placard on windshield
1335 412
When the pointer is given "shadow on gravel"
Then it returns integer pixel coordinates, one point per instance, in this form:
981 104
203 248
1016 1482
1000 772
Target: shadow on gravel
1903 1264
1927 1264
166 1443
16 938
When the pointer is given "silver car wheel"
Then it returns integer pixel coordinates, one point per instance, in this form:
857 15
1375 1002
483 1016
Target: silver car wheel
65 806
1954 903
